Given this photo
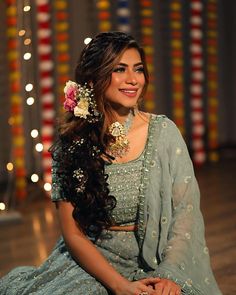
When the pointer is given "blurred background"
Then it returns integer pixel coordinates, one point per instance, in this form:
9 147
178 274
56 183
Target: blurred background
191 54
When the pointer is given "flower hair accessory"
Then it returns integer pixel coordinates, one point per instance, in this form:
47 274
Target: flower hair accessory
79 100
81 180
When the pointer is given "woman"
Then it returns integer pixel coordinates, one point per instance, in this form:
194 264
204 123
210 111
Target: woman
124 187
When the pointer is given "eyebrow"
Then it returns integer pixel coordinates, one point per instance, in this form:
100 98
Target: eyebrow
125 65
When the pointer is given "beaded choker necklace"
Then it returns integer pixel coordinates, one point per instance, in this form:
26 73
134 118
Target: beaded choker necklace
120 144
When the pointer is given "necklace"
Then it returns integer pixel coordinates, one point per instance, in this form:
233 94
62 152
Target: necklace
120 145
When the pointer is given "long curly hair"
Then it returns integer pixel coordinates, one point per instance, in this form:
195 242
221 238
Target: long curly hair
81 146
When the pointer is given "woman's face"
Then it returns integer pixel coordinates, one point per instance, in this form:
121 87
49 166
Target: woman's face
127 81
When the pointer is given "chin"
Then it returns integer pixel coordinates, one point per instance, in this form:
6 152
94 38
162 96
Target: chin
128 105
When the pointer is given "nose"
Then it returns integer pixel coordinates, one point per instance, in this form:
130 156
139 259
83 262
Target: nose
131 78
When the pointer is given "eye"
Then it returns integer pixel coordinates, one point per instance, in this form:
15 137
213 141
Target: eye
119 70
139 69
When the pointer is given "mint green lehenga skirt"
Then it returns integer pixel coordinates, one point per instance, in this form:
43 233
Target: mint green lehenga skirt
60 274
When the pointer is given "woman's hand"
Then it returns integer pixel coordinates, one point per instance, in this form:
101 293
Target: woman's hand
137 287
167 287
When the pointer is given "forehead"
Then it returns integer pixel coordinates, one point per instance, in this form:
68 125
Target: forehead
130 55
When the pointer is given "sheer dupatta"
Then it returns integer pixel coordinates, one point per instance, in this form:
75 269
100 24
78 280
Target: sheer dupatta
171 224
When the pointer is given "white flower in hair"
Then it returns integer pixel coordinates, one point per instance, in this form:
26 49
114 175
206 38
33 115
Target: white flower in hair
81 110
70 85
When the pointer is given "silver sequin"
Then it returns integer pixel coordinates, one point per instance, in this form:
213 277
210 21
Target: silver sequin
168 248
164 220
154 234
187 179
155 260
164 124
207 281
189 282
189 207
188 236
178 151
206 250
153 163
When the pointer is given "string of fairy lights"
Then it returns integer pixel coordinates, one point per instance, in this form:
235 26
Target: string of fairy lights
123 16
177 62
30 96
46 84
104 15
61 35
147 41
196 82
17 163
51 56
19 55
212 78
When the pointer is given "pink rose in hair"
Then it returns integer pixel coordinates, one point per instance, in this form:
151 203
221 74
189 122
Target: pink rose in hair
71 92
70 104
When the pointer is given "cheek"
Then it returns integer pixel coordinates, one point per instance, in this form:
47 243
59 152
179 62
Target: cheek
110 92
115 80
142 80
114 85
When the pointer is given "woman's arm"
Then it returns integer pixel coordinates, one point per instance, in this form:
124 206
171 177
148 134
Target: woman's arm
92 261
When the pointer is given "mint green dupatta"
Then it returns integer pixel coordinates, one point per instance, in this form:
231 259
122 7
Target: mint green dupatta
171 227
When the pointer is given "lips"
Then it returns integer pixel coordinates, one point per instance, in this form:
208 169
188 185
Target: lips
129 92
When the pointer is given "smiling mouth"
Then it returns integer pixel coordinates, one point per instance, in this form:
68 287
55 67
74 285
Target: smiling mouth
130 92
